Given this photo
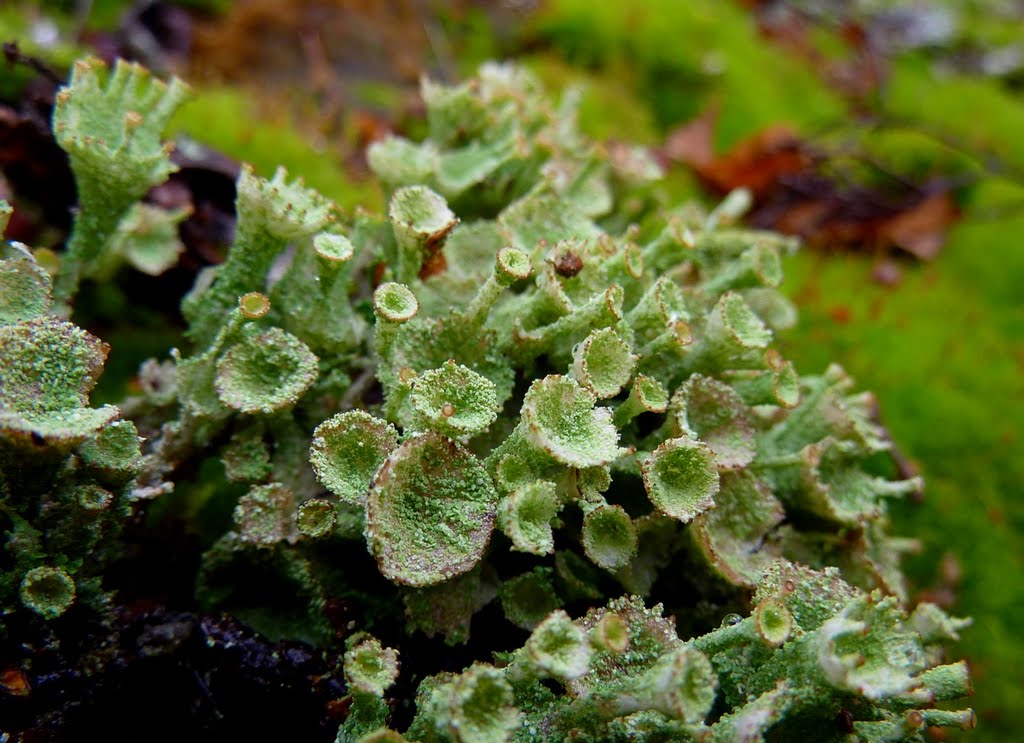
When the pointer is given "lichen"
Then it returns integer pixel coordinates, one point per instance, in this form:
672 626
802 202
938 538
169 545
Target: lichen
529 341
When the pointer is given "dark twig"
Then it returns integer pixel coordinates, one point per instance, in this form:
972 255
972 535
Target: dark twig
14 56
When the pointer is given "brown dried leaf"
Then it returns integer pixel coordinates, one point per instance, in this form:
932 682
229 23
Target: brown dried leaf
758 162
921 230
693 143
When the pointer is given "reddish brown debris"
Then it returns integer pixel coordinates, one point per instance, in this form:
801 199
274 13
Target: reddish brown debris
568 264
795 193
14 682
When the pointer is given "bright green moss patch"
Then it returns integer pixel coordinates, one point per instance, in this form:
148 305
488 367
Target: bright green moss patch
225 119
683 54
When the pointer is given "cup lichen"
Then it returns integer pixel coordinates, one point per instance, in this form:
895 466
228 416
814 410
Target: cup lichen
531 339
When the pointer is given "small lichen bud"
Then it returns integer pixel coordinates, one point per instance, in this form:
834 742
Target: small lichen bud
369 667
759 265
421 221
331 251
316 518
611 634
680 685
525 517
602 310
332 248
675 340
511 265
773 621
732 207
777 385
395 303
93 499
559 648
477 706
396 160
948 682
735 338
253 305
662 305
646 395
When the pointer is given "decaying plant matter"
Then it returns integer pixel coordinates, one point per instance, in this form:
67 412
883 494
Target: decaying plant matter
530 383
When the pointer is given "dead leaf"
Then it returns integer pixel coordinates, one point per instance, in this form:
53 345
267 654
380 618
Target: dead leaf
14 682
921 230
796 194
755 162
693 143
758 162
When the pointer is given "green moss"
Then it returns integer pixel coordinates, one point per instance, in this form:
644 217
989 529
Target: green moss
685 54
226 120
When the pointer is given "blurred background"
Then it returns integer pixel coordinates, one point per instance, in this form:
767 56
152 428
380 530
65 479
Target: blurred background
889 135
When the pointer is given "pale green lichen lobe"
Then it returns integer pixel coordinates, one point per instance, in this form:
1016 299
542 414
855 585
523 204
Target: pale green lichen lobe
347 451
266 372
430 511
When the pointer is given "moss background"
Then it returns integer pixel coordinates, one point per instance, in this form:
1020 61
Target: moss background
943 349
